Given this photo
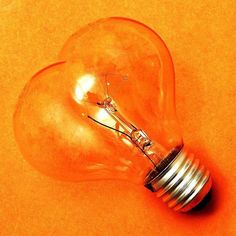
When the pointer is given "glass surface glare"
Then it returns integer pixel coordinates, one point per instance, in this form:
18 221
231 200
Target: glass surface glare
74 119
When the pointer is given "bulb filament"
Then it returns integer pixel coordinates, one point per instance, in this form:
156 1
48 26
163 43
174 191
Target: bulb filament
136 135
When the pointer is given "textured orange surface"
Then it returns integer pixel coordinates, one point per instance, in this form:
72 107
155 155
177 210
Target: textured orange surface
201 38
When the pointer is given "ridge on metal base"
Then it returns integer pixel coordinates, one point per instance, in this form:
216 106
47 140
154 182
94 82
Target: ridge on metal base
183 183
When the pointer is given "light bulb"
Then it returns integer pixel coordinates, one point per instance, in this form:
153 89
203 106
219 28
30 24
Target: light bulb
107 111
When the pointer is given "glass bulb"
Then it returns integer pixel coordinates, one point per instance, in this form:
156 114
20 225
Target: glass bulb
107 111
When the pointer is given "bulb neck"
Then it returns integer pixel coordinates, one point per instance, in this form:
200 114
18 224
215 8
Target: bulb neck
182 183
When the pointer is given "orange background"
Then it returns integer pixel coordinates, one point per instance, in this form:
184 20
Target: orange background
201 36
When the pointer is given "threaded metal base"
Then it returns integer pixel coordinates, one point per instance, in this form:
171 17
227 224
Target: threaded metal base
183 183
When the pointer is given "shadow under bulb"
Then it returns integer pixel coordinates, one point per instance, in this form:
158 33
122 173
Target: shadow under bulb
107 111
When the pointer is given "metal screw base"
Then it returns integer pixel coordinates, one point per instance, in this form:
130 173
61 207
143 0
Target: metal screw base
183 183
